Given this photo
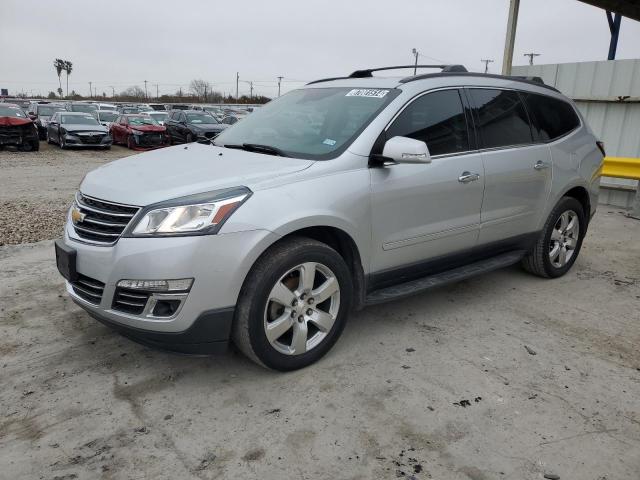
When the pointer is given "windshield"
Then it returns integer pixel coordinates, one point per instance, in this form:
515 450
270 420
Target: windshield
107 116
313 123
7 111
197 118
161 117
79 119
142 121
83 108
48 111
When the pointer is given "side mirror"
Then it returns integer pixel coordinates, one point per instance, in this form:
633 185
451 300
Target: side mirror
406 150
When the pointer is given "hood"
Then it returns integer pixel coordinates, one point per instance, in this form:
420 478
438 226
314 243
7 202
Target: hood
73 127
14 121
178 171
148 128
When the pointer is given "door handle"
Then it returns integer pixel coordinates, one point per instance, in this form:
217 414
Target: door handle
466 177
540 165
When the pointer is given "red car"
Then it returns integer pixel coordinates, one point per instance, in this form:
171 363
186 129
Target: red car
138 132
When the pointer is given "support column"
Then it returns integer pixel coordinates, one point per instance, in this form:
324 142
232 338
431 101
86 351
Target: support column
510 40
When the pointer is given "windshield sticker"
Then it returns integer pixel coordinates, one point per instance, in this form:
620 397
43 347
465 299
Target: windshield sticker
328 141
367 92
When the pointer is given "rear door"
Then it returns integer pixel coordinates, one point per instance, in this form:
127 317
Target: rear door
422 212
517 170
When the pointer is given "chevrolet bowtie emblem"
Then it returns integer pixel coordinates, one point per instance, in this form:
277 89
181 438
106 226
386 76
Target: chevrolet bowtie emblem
77 216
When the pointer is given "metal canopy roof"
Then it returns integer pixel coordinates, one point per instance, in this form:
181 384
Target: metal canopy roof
626 8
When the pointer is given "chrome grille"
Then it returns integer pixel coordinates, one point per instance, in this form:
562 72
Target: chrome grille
103 221
130 301
88 289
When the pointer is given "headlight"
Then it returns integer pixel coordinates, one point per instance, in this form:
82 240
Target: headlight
184 217
137 132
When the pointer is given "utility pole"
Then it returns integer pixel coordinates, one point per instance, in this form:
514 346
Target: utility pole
145 90
237 81
512 23
415 53
157 92
205 93
279 80
251 89
90 91
531 55
486 61
113 91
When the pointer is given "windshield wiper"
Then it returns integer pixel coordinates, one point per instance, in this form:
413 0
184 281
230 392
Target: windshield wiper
256 147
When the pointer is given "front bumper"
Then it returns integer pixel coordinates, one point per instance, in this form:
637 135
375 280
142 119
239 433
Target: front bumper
86 141
217 263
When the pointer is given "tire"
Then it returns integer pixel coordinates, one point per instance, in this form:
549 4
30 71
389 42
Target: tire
257 308
543 260
48 139
35 145
189 138
61 142
130 142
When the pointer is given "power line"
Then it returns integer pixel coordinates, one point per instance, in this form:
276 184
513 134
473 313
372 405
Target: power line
486 61
531 55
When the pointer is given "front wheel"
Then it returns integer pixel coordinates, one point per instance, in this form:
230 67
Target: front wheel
189 138
560 241
131 144
293 305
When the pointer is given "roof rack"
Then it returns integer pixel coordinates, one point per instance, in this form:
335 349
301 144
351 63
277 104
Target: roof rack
366 73
537 81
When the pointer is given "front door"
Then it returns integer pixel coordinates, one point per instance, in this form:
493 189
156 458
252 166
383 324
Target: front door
423 212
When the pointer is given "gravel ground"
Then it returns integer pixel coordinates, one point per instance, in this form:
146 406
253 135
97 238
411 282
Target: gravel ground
501 377
36 189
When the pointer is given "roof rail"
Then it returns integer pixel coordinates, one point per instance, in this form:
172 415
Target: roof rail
537 81
366 73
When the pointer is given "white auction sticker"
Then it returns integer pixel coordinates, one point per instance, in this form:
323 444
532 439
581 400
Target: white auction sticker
367 92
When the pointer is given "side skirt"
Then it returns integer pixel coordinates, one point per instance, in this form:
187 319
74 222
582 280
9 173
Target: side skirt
428 282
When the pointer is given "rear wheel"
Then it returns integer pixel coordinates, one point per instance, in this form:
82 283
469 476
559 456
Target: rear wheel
293 305
560 241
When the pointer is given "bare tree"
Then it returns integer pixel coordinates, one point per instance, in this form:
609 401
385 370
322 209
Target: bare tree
133 92
59 65
200 88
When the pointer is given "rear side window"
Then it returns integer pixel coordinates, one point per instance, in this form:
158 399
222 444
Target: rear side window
501 119
437 119
551 118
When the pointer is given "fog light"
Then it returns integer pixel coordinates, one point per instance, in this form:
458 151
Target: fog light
165 308
179 285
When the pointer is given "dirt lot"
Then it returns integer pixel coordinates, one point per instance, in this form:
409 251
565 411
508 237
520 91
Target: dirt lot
39 186
505 376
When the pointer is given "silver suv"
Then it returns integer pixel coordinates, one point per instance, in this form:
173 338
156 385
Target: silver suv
342 194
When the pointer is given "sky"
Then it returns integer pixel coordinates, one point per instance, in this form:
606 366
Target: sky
121 43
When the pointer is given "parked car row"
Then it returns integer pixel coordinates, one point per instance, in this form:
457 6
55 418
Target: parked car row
94 124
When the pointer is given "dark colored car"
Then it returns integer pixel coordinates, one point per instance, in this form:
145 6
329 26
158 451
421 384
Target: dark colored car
17 129
186 126
77 129
138 132
41 113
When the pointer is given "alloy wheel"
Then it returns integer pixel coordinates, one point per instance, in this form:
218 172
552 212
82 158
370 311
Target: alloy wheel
564 238
301 309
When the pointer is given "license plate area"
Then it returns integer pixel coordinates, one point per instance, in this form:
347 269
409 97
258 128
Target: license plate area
66 261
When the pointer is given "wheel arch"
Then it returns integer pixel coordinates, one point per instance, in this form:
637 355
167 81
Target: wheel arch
581 194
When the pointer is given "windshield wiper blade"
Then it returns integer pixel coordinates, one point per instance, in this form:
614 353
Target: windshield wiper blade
257 147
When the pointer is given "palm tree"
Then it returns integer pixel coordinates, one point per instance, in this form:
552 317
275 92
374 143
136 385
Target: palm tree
68 67
58 64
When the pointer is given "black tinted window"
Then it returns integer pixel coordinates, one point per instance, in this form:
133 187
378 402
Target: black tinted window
551 118
437 119
501 118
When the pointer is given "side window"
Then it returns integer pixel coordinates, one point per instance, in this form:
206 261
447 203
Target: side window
551 118
437 119
501 119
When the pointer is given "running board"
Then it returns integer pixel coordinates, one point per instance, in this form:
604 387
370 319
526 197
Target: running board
454 275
